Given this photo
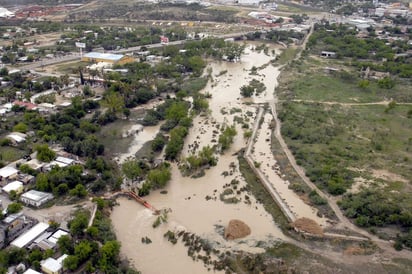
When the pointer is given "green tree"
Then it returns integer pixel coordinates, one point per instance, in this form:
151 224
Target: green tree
160 176
83 250
114 102
44 153
109 255
226 138
14 208
386 83
42 182
79 223
65 244
21 127
71 262
79 191
131 169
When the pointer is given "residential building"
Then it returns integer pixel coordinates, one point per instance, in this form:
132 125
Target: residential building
31 271
15 186
35 198
17 138
53 266
7 174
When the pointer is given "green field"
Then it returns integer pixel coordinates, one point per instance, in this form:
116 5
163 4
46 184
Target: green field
338 136
313 82
10 154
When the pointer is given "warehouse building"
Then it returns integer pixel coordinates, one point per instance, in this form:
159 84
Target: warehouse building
35 198
28 237
115 59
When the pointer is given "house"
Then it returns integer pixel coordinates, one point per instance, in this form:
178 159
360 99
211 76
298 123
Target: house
35 198
7 173
60 161
15 186
17 138
26 178
118 59
328 54
27 105
12 226
53 266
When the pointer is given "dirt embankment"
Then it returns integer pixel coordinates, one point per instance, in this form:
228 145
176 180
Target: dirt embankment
236 229
308 225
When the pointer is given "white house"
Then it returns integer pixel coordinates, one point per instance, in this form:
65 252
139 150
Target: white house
8 172
53 266
35 198
16 186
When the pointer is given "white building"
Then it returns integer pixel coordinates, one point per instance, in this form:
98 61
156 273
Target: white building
248 2
28 237
31 271
7 173
16 186
35 198
53 266
17 137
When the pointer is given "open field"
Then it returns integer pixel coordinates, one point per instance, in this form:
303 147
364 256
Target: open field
351 139
316 84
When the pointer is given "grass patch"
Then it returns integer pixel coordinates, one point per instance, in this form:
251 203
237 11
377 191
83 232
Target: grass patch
68 68
337 142
308 81
287 55
194 85
10 154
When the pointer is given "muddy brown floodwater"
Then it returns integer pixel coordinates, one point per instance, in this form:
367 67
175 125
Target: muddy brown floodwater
186 197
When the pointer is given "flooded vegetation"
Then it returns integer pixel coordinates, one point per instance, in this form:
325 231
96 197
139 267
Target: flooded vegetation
205 205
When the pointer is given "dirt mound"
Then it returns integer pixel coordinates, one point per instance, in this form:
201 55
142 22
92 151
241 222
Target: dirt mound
236 229
308 225
354 250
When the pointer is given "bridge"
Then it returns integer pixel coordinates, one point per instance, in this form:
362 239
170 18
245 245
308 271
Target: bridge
135 197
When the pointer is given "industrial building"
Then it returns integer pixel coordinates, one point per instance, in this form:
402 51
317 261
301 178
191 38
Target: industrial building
28 237
115 59
35 198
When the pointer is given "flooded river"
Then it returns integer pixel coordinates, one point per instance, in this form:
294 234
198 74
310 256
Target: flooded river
195 204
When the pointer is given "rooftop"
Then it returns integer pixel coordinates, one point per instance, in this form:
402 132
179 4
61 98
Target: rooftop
30 235
64 160
31 271
15 185
35 195
51 265
17 138
107 56
8 171
56 235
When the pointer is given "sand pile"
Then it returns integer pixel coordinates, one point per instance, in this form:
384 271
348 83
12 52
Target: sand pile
308 225
236 229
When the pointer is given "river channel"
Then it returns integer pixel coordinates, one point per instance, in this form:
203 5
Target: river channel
186 197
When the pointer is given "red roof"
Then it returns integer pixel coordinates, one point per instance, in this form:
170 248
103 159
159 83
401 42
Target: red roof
28 105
